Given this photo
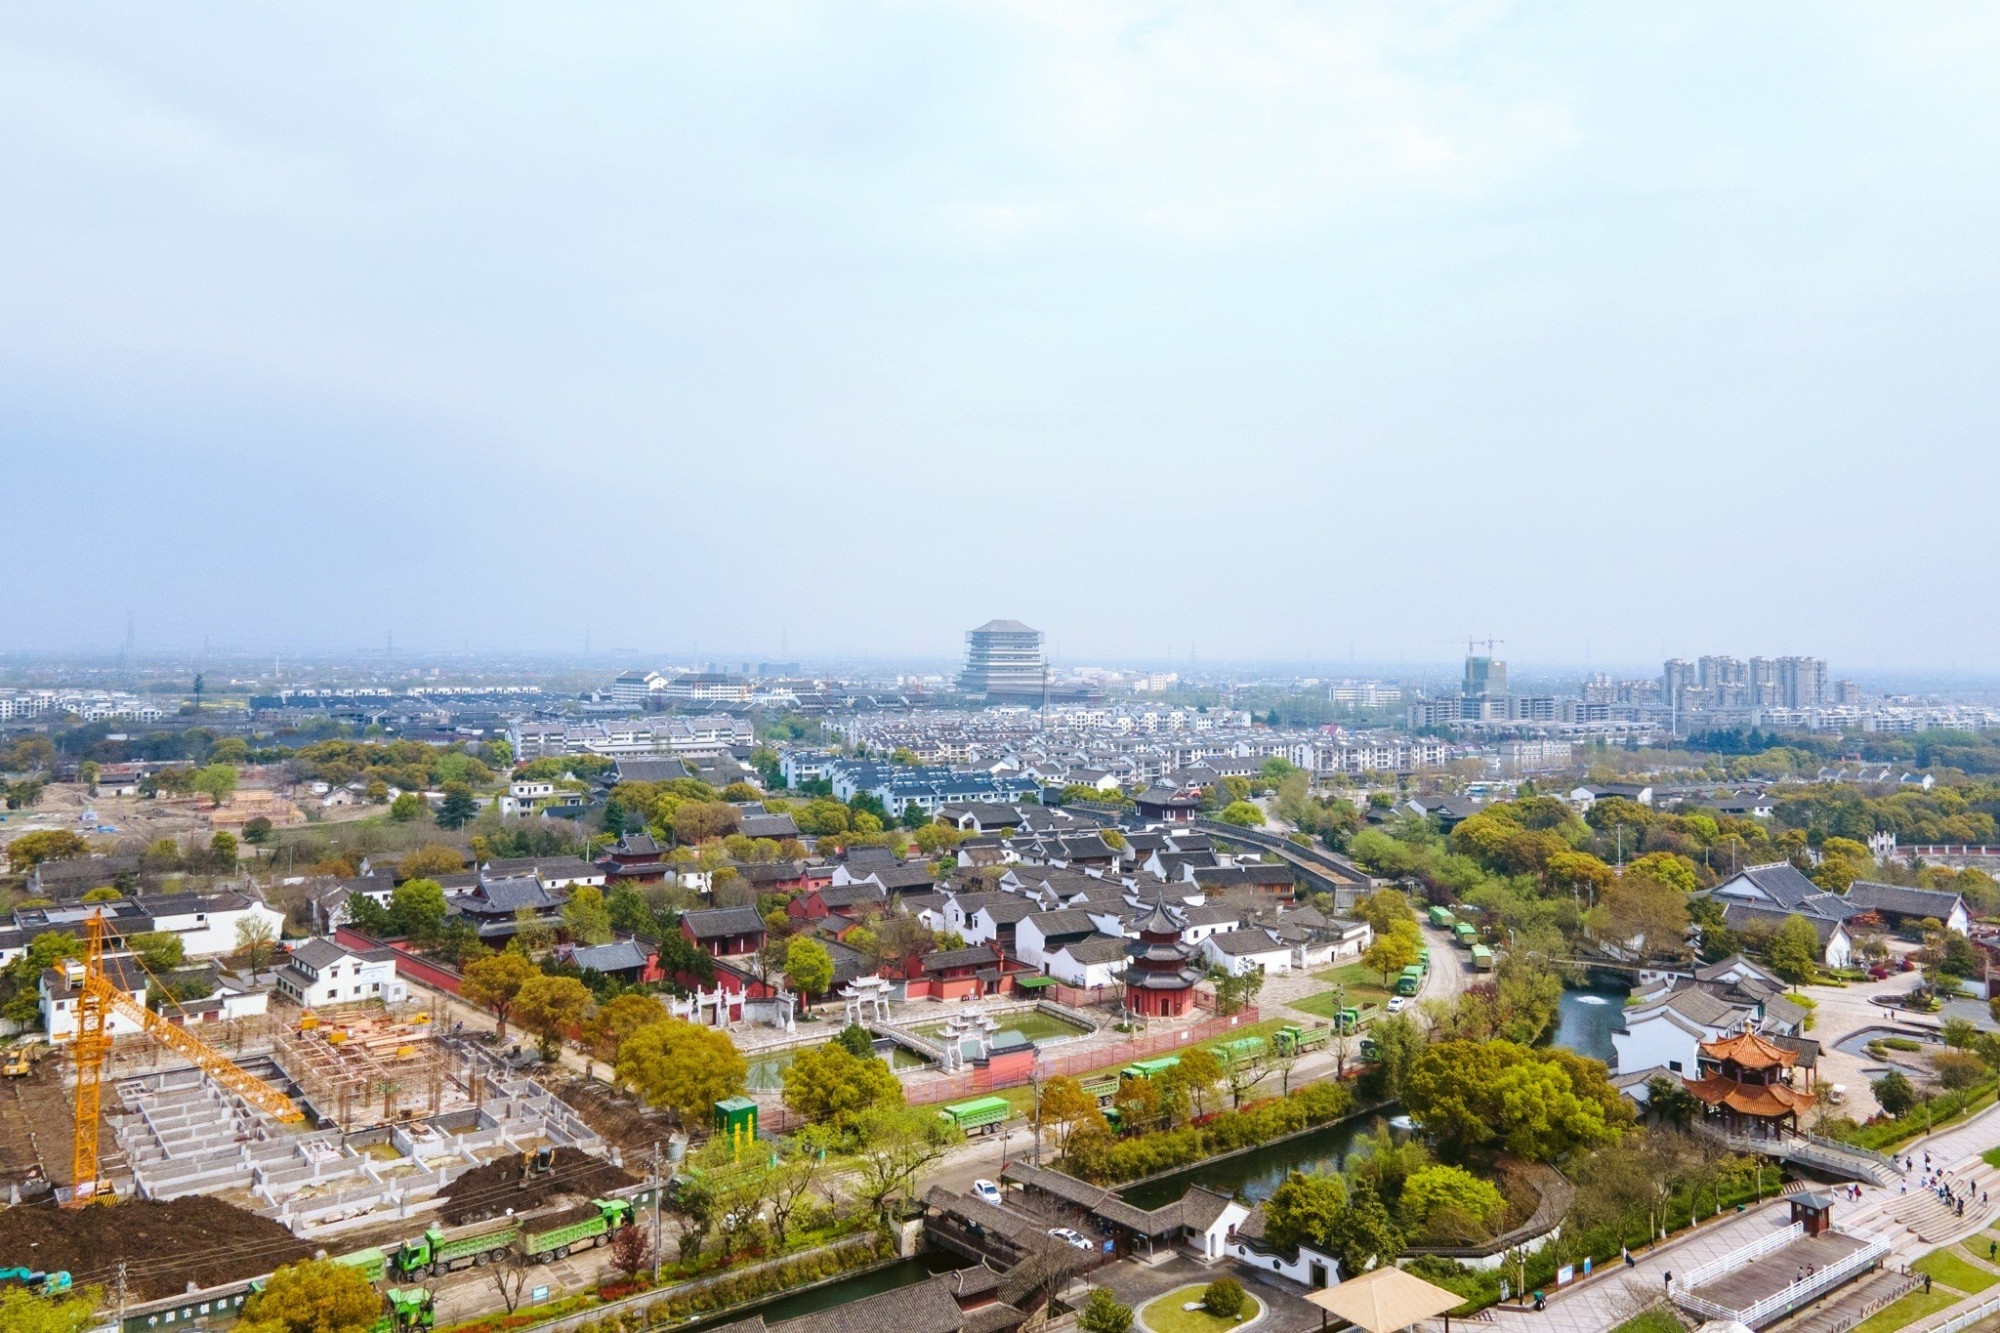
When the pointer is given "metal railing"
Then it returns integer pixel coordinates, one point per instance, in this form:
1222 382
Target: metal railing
1983 1310
1777 1240
1895 1291
1795 1293
1892 1163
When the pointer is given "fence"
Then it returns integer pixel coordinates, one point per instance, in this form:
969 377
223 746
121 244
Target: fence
1958 1321
1141 1048
1792 1295
1735 1259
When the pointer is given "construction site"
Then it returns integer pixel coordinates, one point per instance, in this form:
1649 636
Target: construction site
313 1131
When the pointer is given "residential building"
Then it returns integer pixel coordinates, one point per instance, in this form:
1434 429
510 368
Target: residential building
1003 661
321 972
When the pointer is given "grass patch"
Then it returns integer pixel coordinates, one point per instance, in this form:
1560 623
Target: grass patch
1163 1314
1322 1005
1361 982
1906 1311
1953 1271
1658 1319
1991 1157
1977 1248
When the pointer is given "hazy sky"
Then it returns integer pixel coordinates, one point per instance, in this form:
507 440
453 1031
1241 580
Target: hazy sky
1279 330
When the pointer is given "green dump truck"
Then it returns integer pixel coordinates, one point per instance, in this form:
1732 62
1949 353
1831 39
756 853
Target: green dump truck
1229 1054
1482 958
1291 1039
1467 933
1411 981
447 1249
409 1308
981 1115
1149 1068
554 1235
374 1264
1442 918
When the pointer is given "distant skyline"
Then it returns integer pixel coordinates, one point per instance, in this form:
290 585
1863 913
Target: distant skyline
1284 333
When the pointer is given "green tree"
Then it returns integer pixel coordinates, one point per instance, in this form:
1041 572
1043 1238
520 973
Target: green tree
1224 1297
458 808
683 1067
419 909
318 1296
22 1311
828 1084
1243 814
808 966
898 1143
586 916
257 831
216 781
494 983
1436 1190
32 849
1303 1210
552 1008
159 950
1383 908
256 943
1102 1313
860 1043
1364 1235
1393 951
406 807
1794 951
1894 1093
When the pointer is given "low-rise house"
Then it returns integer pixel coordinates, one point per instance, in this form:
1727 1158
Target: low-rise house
1669 1017
1901 907
320 973
556 872
62 986
1762 896
1089 964
1039 934
1239 952
724 932
68 880
207 923
633 961
1270 880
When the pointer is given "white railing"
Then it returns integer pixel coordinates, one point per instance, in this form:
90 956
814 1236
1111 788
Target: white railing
1796 1293
1982 1311
1735 1259
1896 1290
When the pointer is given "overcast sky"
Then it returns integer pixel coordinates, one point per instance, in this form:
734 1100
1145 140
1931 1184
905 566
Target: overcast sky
1274 331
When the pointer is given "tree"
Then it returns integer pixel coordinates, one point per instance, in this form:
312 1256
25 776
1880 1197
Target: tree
1224 1297
897 1144
552 1007
1302 1210
22 1311
104 894
458 808
1363 1235
586 917
32 849
618 1018
158 950
430 861
791 1183
1643 918
1242 814
1102 1313
493 983
1235 992
1392 951
257 831
860 1043
1197 1073
317 1296
222 850
1436 1190
216 781
510 1278
1066 1106
828 1084
256 942
808 966
87 773
1894 1093
1794 951
406 807
683 1067
631 1249
418 908
1383 908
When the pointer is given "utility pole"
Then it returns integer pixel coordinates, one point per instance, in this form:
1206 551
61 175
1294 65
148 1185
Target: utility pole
121 1293
658 1188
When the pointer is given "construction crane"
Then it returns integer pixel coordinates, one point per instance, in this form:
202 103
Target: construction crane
95 1004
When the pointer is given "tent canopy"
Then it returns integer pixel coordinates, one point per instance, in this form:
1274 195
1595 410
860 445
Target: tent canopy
1385 1299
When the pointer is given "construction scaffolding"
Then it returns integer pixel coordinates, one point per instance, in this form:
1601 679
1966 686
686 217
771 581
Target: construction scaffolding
364 1068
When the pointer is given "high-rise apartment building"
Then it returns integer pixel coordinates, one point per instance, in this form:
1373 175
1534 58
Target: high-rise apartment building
1484 677
1676 675
1764 689
1003 661
1802 682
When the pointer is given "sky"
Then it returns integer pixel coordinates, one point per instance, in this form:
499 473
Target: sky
1251 331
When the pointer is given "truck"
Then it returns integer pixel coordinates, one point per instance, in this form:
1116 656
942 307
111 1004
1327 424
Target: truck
1149 1068
1229 1054
1442 918
553 1235
1467 933
447 1249
981 1114
1291 1039
1482 958
409 1308
374 1264
37 1281
1411 981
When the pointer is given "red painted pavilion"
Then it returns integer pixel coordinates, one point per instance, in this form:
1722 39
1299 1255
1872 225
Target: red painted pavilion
1161 977
1745 1085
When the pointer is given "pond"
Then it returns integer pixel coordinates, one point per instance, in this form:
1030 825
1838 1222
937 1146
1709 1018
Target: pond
767 1073
1255 1174
1586 1018
1032 1024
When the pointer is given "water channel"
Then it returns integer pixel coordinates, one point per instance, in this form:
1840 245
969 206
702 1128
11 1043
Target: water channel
902 1273
1586 1018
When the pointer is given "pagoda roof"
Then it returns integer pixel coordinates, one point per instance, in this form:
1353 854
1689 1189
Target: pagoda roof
1750 1050
1160 922
1764 1100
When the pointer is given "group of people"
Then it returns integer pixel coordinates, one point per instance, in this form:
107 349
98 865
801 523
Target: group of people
1954 1194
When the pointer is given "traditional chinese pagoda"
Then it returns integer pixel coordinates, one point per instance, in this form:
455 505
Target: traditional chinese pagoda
1745 1086
1160 979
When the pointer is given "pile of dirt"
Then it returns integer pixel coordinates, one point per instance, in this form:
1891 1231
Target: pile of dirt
165 1245
508 1182
617 1116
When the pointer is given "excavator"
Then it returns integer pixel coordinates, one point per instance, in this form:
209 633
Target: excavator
97 1000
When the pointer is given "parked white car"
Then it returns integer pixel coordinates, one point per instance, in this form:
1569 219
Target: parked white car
1069 1237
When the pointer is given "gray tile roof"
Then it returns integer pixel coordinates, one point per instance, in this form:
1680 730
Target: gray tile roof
716 922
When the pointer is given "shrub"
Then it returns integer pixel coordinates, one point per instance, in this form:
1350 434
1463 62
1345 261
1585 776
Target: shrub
1105 1160
1223 1298
1102 1313
1956 1069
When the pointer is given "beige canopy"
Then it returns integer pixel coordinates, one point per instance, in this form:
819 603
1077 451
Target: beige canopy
1385 1299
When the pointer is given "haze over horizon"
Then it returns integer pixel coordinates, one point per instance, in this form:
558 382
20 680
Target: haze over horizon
1291 336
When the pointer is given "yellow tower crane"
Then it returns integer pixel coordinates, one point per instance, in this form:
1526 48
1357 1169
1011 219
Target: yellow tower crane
99 1000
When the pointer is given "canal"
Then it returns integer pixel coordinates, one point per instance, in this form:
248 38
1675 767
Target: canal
1254 1174
902 1273
1586 1018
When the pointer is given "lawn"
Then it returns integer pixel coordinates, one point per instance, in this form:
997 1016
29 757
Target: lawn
1163 1314
1953 1271
1991 1157
1907 1311
1979 1246
1362 982
1654 1320
1321 1005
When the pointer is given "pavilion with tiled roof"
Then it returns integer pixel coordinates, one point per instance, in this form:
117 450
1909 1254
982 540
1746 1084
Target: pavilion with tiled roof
1745 1083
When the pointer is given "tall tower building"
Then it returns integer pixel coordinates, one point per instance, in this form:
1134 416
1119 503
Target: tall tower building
1484 677
1003 660
1675 678
1802 682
